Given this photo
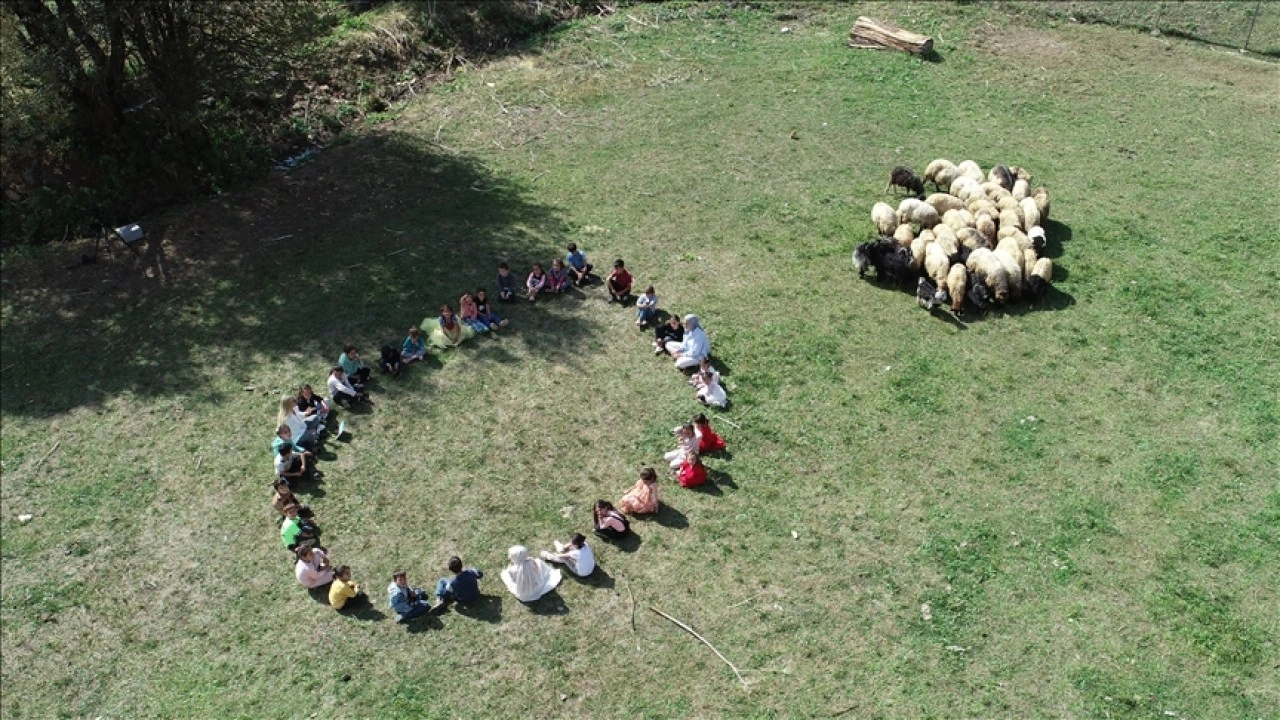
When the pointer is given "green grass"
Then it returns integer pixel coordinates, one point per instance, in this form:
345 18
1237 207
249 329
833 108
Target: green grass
1112 558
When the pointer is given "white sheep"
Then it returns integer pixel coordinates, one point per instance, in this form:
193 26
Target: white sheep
1040 276
971 169
917 249
983 264
958 219
1021 188
904 235
1041 198
942 202
1010 218
919 213
1010 257
1030 212
957 283
1020 173
885 219
1029 259
940 165
985 223
946 176
962 182
945 237
936 265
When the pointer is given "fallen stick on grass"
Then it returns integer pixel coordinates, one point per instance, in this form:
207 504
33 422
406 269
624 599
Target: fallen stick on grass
691 631
45 456
396 252
744 602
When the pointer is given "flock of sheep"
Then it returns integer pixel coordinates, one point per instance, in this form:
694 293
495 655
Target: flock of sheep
978 239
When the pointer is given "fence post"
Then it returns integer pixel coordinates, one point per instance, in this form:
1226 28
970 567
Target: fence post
1249 36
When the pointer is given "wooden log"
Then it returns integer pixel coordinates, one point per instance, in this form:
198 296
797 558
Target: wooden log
869 33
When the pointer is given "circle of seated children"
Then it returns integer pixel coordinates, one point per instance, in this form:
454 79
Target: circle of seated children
302 423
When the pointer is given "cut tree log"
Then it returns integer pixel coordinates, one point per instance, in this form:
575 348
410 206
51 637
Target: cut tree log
869 33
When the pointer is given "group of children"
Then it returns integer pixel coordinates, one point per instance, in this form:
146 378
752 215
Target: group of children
304 418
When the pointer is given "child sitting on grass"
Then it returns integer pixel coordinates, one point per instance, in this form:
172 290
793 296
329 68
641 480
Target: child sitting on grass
642 498
576 555
709 389
692 472
670 332
557 277
506 283
463 587
646 307
619 283
449 332
536 282
343 593
687 442
484 313
708 440
579 268
608 522
414 348
470 314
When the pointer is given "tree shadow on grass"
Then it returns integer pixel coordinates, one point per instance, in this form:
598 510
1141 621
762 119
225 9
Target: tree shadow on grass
353 247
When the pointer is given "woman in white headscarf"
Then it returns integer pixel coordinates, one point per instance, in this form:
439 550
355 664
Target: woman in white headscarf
528 578
695 346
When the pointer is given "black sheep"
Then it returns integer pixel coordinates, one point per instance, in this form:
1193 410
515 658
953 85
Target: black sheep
926 294
904 178
978 294
890 259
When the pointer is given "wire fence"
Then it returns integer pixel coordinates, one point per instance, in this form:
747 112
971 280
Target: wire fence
1250 25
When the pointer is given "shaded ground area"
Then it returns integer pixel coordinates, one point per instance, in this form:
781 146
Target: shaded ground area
403 229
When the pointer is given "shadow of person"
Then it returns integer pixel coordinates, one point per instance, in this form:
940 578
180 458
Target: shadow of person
720 365
668 516
319 594
708 488
629 542
362 610
721 477
486 607
597 579
423 623
549 604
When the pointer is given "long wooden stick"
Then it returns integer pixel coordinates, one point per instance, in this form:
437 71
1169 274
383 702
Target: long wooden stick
45 456
691 631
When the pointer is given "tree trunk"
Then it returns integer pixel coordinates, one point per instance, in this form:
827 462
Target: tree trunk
869 33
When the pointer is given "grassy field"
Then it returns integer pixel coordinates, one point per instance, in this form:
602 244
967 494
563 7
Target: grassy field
1112 558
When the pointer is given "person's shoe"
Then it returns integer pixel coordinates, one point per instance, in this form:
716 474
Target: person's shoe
657 351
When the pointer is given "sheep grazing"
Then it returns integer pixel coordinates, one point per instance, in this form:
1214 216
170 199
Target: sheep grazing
947 175
945 237
1038 239
1001 174
885 219
1020 173
1021 188
926 294
1041 274
1030 212
1011 260
1029 259
1010 218
985 224
957 278
983 265
942 202
941 165
917 249
918 212
936 265
960 186
958 220
1041 198
977 293
904 235
972 239
886 255
971 169
903 177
